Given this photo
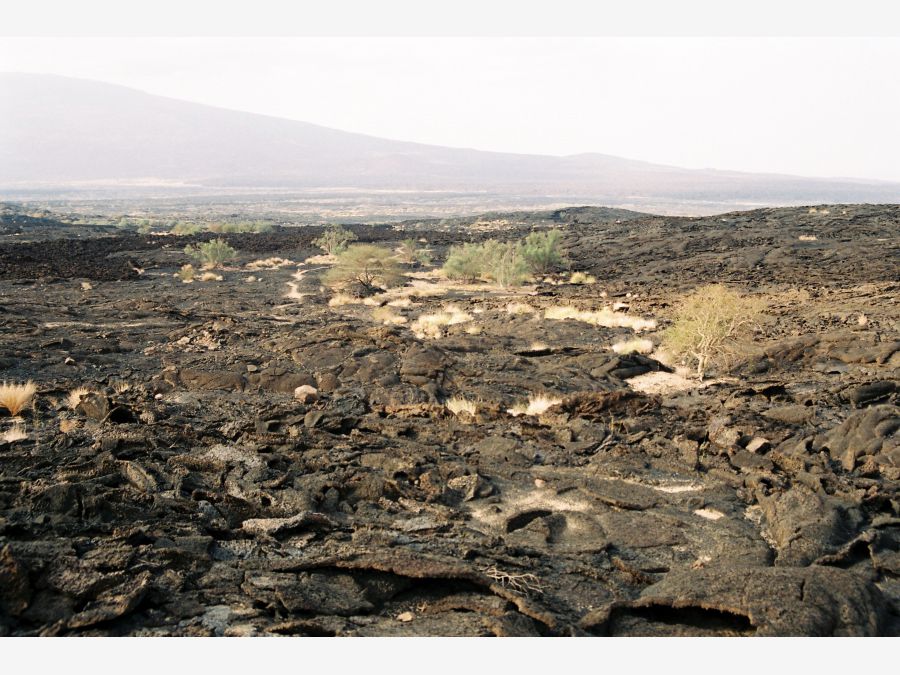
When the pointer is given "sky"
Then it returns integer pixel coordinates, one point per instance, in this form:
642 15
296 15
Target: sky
825 107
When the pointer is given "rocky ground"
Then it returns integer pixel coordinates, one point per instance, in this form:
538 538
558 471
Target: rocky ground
193 490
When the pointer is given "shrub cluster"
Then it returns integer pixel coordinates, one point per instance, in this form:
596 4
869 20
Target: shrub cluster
506 263
335 239
241 227
211 254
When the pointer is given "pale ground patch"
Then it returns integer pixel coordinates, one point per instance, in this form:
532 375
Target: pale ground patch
605 318
537 405
294 286
516 500
669 487
636 346
662 383
87 324
709 514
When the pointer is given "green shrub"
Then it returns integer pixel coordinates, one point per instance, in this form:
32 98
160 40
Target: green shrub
541 251
366 266
410 253
211 254
712 326
335 239
241 227
504 262
183 228
464 262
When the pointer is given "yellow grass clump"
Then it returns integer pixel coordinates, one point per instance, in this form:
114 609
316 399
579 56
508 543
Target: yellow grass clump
636 346
459 404
14 397
15 433
605 318
432 325
516 308
75 396
268 263
536 405
582 278
387 316
341 299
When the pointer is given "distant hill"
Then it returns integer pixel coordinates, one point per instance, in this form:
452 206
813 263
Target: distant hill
57 131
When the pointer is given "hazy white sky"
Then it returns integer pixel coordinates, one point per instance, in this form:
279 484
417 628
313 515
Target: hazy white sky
809 106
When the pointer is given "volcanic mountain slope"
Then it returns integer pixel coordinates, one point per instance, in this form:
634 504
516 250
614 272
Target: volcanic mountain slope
257 456
59 131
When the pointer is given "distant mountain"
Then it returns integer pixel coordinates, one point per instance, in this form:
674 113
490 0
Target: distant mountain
57 131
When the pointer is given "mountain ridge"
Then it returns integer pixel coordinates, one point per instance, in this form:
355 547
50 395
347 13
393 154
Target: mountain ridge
60 131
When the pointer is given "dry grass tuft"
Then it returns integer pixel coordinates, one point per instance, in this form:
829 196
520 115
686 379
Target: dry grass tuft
387 316
75 396
537 405
268 263
432 325
186 274
605 318
120 386
458 405
636 346
14 397
341 299
582 278
15 433
516 308
210 276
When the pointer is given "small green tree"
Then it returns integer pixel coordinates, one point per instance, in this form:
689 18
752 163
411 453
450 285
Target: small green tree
504 262
464 262
409 252
365 266
712 326
335 239
541 251
211 254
